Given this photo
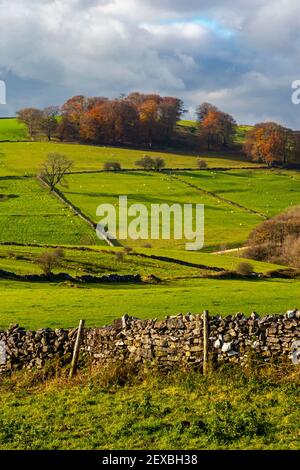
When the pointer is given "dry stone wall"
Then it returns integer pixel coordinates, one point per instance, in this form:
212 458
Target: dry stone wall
23 349
174 342
179 340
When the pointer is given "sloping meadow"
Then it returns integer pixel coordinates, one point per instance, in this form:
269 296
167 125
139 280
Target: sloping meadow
224 224
30 214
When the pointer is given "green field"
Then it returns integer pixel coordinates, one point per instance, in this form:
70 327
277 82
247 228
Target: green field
224 224
184 287
229 409
29 214
26 158
12 130
36 305
99 409
100 261
268 192
103 260
187 123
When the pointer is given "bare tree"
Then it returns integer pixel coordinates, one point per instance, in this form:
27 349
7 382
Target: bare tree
149 163
48 121
50 260
54 169
158 163
202 165
31 117
145 162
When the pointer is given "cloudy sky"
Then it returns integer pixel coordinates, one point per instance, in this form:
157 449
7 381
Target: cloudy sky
240 55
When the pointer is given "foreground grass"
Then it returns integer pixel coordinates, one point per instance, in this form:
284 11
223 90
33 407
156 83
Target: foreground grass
40 305
116 409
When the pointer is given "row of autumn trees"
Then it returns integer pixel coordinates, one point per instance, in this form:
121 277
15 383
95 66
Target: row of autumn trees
136 119
151 120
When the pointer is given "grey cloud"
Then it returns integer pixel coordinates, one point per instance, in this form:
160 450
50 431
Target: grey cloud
243 56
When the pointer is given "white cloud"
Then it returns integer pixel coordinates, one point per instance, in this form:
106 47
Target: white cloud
241 55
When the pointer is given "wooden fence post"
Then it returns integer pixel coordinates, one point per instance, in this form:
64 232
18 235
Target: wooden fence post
205 341
76 349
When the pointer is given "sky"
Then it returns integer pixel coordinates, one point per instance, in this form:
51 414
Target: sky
240 55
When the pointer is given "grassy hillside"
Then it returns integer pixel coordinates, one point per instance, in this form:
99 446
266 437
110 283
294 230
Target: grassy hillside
26 158
239 137
29 214
12 130
188 123
268 192
230 409
224 224
113 409
241 133
98 261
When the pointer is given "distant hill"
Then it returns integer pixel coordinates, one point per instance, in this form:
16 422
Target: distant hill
191 126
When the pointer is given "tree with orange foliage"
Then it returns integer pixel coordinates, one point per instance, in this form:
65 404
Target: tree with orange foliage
270 143
72 112
71 115
148 113
215 127
92 125
203 109
112 122
210 128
